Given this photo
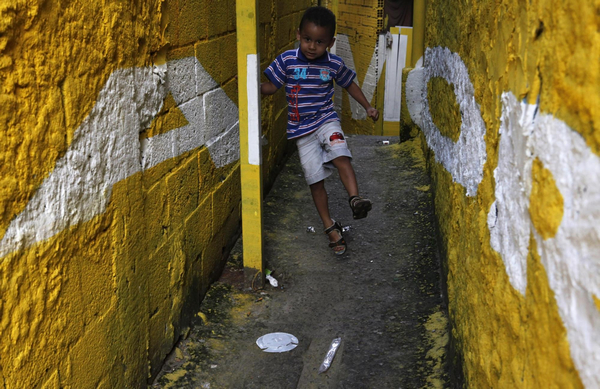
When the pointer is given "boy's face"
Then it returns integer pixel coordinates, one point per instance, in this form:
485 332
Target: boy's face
314 40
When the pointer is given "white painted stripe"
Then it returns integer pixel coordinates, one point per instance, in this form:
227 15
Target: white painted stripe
391 75
369 82
381 54
570 257
465 158
254 149
402 48
106 147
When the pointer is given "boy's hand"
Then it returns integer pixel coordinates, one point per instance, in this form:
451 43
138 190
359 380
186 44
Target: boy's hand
373 113
267 88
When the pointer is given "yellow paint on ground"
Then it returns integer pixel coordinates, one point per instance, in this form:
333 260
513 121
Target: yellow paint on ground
444 108
174 376
546 207
437 339
202 316
415 148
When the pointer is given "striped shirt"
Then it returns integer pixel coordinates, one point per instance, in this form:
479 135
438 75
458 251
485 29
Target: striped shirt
308 88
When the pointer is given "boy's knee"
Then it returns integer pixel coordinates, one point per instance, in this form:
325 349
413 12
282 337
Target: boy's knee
318 184
341 160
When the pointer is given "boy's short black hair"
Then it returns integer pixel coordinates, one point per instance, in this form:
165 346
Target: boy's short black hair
321 17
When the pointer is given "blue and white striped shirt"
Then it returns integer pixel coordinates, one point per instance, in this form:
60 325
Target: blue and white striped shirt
309 88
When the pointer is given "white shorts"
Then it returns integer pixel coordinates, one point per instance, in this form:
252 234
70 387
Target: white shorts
319 148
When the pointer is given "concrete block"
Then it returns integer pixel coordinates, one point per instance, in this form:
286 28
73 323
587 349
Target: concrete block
96 277
198 229
193 134
219 15
151 176
96 349
231 90
157 149
192 21
156 208
206 171
182 191
225 198
286 31
220 112
181 74
225 148
204 80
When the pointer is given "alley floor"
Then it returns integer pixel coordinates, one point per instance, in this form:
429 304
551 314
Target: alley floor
383 298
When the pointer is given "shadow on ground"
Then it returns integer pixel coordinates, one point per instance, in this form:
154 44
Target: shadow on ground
383 297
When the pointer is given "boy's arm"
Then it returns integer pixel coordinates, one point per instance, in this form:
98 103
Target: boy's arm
355 91
268 88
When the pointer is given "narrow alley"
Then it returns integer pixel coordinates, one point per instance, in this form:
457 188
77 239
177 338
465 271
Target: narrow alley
383 298
142 141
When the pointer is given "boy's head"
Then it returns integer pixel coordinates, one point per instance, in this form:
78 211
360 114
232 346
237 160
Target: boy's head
316 32
321 17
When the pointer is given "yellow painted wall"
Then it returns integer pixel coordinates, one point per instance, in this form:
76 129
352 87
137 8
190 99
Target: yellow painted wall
101 302
278 22
539 51
358 20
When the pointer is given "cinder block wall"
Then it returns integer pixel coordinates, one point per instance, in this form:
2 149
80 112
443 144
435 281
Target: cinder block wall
278 23
507 104
356 43
119 193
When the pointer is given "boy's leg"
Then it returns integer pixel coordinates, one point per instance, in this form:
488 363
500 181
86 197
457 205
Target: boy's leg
360 207
347 175
319 195
336 153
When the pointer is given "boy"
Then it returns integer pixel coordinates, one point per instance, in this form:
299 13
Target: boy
308 74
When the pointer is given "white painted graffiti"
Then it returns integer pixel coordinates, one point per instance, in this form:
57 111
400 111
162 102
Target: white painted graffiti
106 147
343 49
465 158
571 256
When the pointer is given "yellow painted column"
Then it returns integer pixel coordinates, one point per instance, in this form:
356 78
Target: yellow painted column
408 32
418 47
250 134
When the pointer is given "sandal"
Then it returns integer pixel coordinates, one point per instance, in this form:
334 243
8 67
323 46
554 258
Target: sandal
338 247
360 207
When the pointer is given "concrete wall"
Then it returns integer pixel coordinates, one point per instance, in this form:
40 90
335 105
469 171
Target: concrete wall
507 104
119 181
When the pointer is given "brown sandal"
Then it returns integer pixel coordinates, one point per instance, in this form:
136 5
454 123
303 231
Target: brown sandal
338 247
360 207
